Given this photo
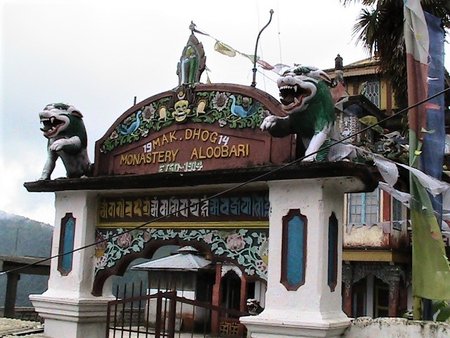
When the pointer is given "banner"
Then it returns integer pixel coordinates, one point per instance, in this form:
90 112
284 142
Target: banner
430 267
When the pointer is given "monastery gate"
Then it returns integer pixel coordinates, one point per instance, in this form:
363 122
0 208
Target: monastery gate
190 166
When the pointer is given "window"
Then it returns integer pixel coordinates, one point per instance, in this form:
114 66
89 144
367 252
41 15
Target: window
231 291
359 298
381 299
397 214
372 92
363 208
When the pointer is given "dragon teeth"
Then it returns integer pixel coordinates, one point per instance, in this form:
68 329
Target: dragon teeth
287 87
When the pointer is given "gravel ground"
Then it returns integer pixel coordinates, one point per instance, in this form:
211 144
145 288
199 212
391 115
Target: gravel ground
10 328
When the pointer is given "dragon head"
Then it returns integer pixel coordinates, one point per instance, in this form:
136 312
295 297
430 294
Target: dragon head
298 86
56 117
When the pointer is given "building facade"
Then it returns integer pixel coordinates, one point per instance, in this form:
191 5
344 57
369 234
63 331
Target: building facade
377 248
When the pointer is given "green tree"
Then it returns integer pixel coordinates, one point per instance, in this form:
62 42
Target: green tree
379 28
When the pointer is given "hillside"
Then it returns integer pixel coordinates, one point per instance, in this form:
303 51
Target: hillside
21 236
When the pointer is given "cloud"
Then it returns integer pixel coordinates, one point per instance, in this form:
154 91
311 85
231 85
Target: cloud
15 198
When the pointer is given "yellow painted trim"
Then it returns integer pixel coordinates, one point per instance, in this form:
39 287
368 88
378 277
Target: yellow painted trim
188 225
383 94
375 256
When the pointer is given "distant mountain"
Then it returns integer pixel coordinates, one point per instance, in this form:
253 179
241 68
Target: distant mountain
21 236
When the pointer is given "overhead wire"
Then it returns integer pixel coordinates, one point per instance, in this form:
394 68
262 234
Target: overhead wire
230 189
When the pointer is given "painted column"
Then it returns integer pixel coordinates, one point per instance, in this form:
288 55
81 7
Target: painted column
216 295
347 281
312 307
394 290
243 302
68 307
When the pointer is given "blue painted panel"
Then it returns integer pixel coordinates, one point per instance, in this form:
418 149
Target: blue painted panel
295 258
67 245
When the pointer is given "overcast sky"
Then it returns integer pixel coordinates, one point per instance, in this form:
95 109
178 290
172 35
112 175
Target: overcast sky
98 55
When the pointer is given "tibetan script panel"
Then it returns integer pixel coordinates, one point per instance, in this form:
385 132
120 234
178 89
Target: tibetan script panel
252 207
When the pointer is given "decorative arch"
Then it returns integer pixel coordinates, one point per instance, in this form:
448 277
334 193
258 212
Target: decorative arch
389 274
224 117
231 288
247 248
228 268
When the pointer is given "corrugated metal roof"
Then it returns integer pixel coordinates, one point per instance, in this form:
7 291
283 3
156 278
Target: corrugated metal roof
187 259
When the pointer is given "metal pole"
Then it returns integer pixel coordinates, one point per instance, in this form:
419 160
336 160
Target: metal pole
256 50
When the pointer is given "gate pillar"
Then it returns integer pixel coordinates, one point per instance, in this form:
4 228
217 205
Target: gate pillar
68 307
303 296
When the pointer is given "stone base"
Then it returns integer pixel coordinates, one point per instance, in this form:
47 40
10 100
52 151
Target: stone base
271 324
72 318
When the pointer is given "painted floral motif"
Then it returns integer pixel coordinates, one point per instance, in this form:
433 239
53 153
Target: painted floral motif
235 242
222 108
248 248
149 112
208 238
262 266
220 101
100 262
100 246
124 240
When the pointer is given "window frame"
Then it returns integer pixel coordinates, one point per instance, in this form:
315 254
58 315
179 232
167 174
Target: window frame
363 207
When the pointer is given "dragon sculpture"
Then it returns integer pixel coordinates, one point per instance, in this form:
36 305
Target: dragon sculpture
64 128
306 98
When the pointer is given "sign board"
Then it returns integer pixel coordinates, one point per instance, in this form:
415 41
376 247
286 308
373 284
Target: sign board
193 128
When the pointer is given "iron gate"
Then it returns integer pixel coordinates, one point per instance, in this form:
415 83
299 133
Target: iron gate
167 314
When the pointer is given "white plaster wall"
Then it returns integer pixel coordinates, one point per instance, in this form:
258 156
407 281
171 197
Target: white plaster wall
316 199
68 307
260 292
54 329
313 309
78 283
182 310
366 327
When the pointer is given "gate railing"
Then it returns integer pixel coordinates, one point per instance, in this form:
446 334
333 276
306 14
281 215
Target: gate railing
165 314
